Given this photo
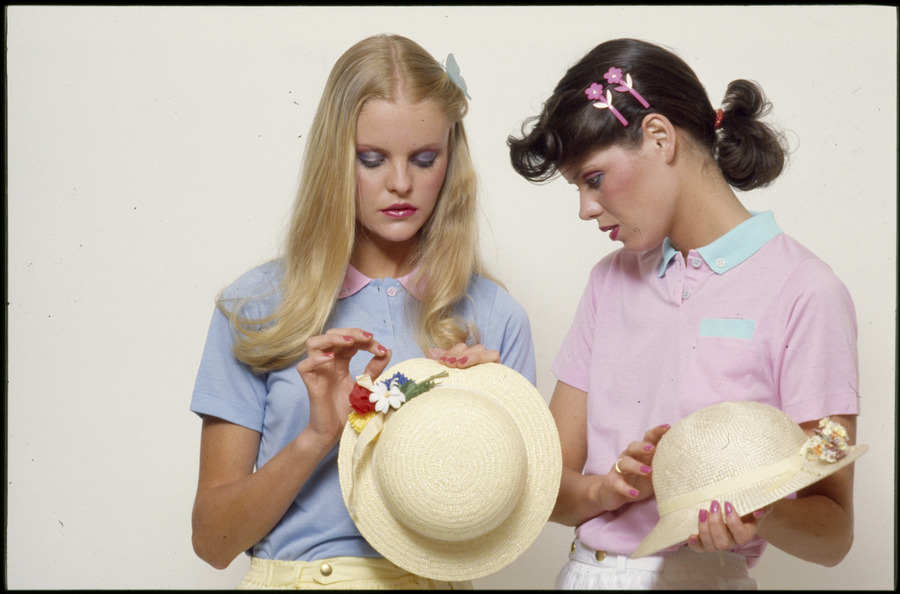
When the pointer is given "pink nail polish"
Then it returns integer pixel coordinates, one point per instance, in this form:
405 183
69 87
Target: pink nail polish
648 448
367 334
646 469
348 338
443 358
728 509
758 513
633 493
463 360
664 426
451 360
714 508
702 516
381 349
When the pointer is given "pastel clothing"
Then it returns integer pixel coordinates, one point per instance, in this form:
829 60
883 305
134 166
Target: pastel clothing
752 316
345 573
680 569
317 525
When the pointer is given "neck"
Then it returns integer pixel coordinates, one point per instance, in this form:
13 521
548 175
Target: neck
380 260
709 210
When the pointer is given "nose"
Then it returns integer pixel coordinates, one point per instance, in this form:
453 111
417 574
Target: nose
400 180
588 207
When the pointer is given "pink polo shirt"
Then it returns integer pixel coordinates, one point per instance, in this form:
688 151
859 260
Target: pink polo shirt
752 316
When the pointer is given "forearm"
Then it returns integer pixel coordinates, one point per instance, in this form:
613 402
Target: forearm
814 528
229 519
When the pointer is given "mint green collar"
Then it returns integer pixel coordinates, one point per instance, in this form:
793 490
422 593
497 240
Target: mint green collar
732 248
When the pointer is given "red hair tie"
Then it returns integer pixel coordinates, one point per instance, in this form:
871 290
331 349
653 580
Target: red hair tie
720 115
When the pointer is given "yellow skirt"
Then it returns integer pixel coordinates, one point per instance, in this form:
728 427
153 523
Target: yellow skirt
346 573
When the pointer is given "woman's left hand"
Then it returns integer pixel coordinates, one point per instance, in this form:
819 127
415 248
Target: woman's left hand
463 355
720 528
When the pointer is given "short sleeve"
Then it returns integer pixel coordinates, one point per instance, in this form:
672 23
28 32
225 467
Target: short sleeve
816 358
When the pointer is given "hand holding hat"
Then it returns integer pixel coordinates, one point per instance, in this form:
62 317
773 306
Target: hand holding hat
449 473
747 453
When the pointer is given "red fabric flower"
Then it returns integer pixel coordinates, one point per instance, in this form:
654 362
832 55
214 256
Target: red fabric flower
359 400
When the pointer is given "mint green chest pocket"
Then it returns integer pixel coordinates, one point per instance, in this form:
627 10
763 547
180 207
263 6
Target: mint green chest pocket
727 328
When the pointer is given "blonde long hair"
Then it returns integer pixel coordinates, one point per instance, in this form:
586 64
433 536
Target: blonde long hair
322 230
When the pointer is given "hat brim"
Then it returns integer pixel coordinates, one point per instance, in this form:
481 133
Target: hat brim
675 527
469 559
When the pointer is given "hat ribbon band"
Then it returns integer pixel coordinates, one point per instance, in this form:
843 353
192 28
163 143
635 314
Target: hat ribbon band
783 469
367 435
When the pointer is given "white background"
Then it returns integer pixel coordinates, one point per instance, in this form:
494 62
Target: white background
153 155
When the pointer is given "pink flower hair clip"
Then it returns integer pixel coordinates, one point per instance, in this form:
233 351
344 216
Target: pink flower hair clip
606 102
626 85
615 76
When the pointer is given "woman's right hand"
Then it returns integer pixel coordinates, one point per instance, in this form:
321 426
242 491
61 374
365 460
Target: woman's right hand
326 373
629 478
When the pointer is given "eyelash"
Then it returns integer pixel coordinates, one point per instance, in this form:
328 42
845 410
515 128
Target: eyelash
371 163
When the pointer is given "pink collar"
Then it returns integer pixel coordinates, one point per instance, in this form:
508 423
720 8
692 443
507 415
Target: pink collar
354 281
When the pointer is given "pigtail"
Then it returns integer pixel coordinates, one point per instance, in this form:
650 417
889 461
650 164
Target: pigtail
750 153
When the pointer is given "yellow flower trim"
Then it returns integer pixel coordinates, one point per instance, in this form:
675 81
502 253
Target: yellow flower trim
359 422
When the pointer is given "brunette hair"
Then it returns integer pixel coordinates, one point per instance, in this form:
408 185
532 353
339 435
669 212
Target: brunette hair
323 228
749 152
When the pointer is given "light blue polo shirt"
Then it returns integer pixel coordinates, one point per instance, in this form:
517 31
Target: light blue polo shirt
317 524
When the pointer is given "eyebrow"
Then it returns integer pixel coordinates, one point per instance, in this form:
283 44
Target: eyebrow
434 147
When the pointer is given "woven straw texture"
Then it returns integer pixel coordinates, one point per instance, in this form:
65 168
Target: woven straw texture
462 478
746 453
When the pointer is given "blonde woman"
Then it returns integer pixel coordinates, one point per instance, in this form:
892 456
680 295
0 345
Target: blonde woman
381 264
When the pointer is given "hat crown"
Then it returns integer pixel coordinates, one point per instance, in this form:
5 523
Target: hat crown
475 467
722 441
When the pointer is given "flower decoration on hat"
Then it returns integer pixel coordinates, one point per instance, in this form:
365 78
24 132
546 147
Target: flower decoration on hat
368 399
829 443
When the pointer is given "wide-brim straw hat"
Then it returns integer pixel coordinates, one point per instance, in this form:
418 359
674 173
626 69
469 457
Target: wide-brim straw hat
461 479
746 453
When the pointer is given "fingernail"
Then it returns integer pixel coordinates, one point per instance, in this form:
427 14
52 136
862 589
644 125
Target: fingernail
443 358
463 360
692 539
648 448
381 349
728 509
348 338
714 508
758 513
451 360
328 354
633 493
646 469
367 334
702 516
664 426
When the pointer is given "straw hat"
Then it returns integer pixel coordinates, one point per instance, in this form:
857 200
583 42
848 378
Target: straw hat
747 453
456 483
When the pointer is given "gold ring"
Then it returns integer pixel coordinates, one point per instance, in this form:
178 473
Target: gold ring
619 470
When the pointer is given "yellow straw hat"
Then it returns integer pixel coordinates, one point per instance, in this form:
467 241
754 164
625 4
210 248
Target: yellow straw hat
456 480
747 453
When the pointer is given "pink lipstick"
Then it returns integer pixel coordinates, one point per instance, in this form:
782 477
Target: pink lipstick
399 211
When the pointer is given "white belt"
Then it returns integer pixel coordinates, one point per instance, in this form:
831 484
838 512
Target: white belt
681 560
608 560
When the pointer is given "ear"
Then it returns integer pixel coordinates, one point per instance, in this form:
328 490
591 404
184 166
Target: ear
660 133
